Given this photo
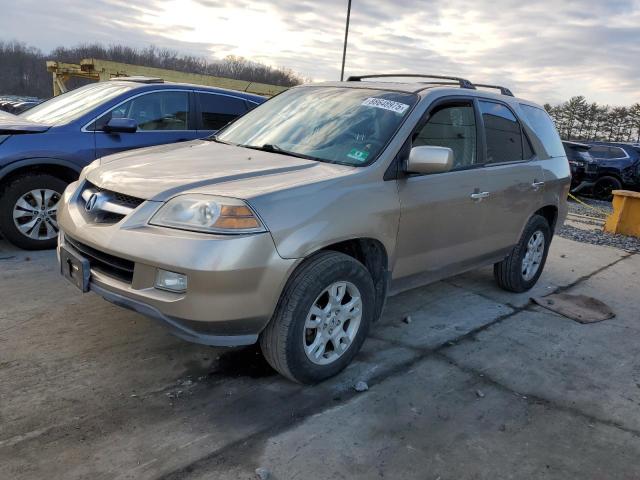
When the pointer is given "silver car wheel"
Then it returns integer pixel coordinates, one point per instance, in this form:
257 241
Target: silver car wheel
533 256
35 214
332 323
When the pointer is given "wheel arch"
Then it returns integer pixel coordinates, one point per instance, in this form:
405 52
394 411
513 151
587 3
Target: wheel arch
550 213
373 255
62 169
368 251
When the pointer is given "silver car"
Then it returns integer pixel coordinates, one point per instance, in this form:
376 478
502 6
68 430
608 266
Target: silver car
292 225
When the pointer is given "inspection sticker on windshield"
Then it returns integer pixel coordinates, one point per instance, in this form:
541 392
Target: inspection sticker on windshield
386 104
358 155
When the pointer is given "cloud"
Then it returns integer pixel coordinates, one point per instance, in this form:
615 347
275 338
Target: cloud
544 50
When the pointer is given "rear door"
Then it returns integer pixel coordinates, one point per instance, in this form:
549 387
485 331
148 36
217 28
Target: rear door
215 110
163 116
443 215
515 178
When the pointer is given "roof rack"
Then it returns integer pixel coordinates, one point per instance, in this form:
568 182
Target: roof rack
503 90
463 82
138 79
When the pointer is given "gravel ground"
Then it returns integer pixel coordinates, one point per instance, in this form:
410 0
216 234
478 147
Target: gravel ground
602 208
630 244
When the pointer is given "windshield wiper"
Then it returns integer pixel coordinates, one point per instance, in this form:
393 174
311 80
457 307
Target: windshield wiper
269 147
214 138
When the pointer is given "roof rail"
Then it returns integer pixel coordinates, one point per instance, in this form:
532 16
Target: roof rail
503 90
463 82
138 79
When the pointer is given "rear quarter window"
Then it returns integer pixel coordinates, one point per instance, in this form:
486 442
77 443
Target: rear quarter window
617 152
544 128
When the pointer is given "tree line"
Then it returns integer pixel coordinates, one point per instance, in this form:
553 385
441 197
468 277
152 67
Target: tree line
24 71
578 119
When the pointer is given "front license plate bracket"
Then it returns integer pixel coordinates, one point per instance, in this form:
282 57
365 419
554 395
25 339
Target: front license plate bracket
75 268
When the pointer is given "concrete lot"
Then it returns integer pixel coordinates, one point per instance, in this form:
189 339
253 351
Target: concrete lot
481 384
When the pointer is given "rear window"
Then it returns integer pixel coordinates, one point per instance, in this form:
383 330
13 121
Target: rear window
218 110
544 128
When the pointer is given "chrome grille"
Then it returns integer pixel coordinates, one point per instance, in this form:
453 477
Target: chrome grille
106 206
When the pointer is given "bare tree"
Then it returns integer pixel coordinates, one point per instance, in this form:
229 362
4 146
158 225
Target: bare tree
634 114
576 119
24 71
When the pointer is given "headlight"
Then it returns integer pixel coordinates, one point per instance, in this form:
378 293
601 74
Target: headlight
206 213
85 171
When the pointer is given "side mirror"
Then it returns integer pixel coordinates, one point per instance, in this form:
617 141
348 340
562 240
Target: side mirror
121 125
428 159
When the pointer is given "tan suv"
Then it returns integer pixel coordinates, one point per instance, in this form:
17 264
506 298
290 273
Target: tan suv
292 225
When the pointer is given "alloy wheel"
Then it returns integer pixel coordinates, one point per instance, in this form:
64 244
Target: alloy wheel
533 256
35 214
332 323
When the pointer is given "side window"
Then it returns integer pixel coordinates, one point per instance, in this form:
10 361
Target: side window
617 152
503 133
599 151
528 149
153 111
453 127
218 110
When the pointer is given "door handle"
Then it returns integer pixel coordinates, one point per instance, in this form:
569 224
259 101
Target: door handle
536 185
479 195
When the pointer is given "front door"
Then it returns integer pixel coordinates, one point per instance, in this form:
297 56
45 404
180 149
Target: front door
443 216
162 116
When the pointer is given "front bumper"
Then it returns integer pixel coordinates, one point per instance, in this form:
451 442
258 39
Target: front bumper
234 282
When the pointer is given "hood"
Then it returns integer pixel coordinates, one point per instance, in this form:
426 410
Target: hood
10 124
158 173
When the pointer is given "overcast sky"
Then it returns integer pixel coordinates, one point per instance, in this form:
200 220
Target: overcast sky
546 50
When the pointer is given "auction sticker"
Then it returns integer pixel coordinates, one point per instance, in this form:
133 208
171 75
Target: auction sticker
358 155
386 104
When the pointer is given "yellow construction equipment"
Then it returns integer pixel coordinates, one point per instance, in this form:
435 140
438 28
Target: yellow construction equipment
625 218
101 70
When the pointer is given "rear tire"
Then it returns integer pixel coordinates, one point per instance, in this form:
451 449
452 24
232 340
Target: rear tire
520 271
308 315
604 186
35 226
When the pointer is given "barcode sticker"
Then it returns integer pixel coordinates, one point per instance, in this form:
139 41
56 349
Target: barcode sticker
386 104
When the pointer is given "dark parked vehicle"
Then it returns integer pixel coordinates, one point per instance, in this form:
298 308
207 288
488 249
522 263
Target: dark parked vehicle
617 166
46 147
580 161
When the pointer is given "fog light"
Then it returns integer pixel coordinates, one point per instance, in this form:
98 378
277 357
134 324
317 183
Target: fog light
171 281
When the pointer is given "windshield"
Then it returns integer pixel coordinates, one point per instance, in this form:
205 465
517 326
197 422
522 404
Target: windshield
71 105
342 125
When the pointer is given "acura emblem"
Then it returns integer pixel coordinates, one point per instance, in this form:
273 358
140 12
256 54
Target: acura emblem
91 203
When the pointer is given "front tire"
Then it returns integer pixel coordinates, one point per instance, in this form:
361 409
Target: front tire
28 211
321 320
520 271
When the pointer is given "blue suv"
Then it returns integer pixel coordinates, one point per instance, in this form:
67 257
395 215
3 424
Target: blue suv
46 147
